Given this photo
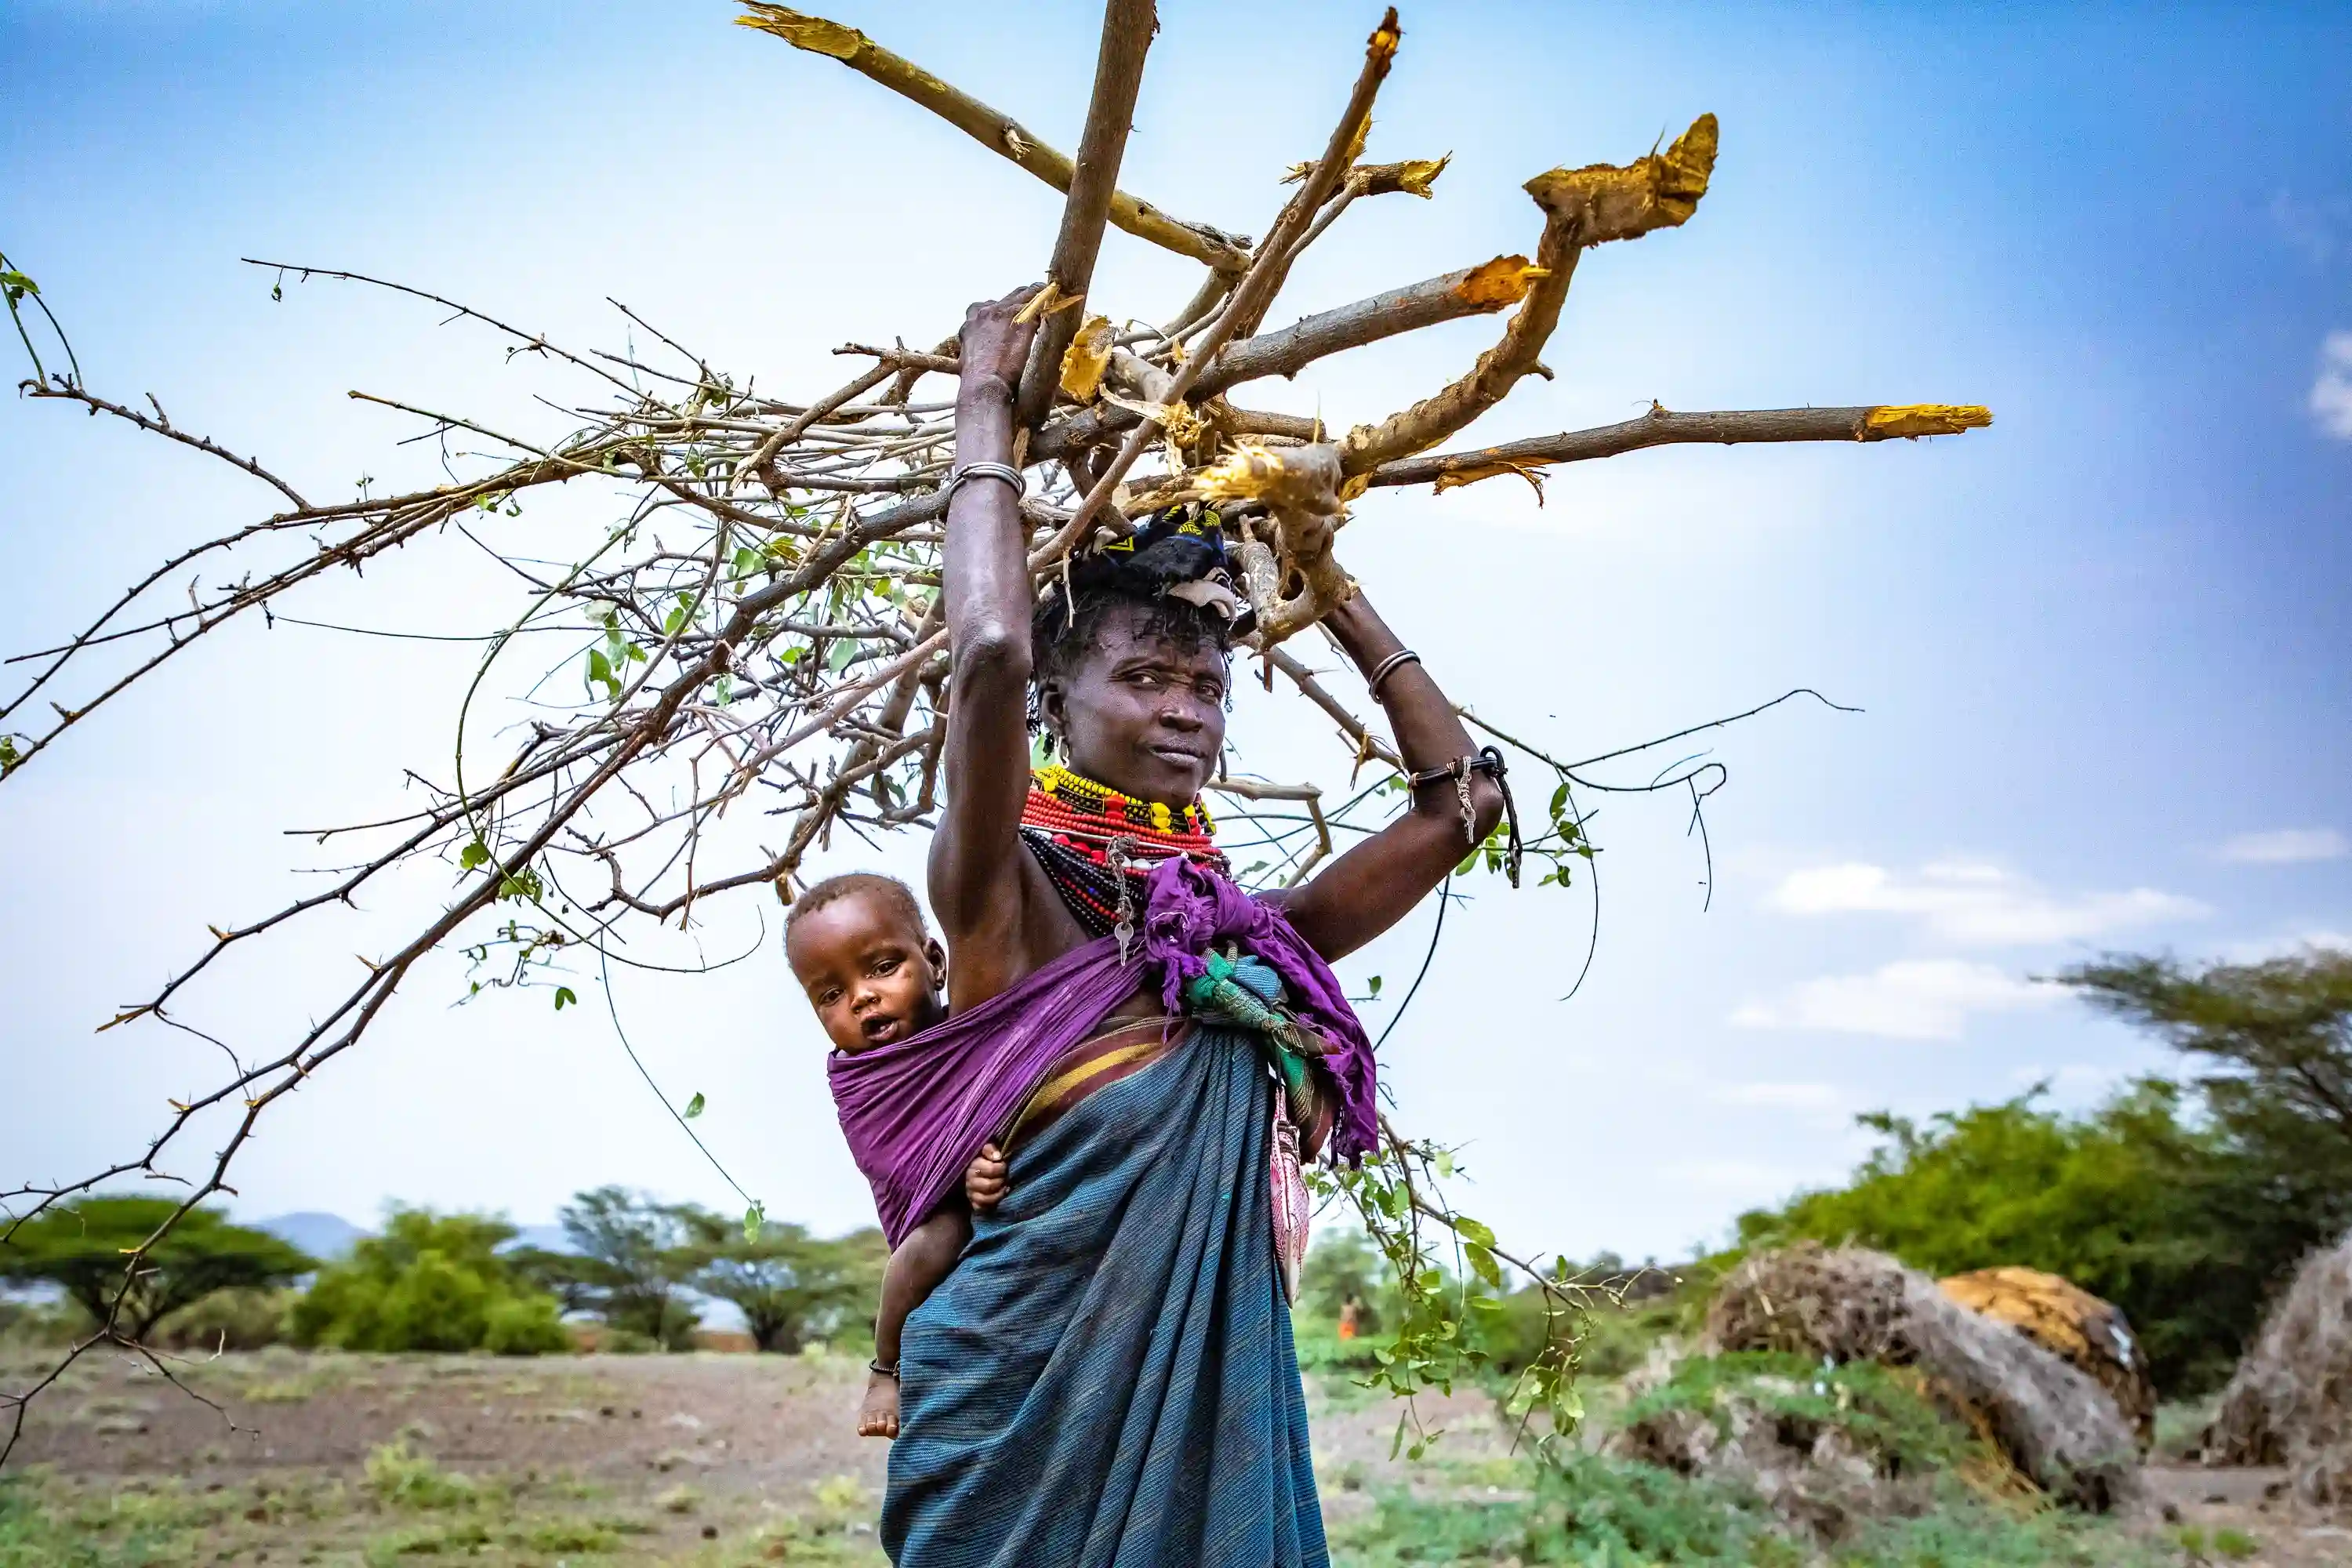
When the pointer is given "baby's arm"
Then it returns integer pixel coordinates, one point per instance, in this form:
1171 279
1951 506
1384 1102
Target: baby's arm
915 1267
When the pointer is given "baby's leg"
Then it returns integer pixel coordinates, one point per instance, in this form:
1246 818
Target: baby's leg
915 1267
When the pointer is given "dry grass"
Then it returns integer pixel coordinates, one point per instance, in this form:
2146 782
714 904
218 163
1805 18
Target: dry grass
2290 1401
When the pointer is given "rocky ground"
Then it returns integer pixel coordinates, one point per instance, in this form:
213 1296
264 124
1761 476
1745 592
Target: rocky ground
708 1460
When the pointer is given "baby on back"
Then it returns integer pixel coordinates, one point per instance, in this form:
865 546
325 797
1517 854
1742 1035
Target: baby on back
876 976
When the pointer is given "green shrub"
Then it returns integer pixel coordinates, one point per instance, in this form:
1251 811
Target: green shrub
524 1325
1880 1410
239 1319
430 1282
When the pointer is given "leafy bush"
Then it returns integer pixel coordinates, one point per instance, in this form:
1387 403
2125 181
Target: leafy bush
81 1249
524 1325
1880 1409
239 1319
430 1282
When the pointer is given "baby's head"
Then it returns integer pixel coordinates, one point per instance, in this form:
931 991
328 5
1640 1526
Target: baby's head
857 946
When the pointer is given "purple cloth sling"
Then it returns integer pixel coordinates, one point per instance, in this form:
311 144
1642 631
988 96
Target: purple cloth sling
916 1112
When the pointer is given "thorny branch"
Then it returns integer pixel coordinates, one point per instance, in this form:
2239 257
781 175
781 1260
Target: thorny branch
757 620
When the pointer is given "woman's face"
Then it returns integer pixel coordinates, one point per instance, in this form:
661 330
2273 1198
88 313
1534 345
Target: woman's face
1138 713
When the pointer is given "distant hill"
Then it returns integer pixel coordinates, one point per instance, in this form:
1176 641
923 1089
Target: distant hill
325 1236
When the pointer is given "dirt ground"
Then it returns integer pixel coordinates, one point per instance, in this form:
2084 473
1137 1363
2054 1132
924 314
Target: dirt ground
710 1460
692 1459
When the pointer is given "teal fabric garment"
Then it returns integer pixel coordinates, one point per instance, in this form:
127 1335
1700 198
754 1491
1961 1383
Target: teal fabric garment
1106 1379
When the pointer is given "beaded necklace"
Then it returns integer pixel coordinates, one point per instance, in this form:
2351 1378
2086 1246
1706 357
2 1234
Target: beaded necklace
1098 847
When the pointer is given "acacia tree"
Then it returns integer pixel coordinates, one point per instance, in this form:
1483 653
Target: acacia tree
762 623
634 1256
791 1288
80 1250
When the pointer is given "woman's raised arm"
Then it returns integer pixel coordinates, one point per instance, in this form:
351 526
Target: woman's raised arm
1378 882
974 877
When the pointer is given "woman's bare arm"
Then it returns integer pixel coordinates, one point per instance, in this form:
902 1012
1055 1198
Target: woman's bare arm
976 886
1378 882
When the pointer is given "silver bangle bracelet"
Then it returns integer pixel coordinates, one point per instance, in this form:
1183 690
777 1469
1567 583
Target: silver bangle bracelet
1006 472
1388 667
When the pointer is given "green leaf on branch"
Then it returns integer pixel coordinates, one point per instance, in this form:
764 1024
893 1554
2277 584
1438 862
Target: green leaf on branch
474 856
693 1106
564 996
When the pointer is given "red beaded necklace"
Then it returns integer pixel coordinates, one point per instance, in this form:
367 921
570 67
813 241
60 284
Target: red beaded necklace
1098 847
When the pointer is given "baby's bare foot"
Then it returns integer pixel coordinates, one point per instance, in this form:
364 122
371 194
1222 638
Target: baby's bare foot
878 1416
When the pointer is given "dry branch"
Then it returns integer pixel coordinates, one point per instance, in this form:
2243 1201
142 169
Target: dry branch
999 133
1128 27
1664 427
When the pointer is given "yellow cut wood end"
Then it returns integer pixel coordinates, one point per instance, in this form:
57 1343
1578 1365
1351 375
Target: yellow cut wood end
1661 190
802 31
1911 420
1415 176
1500 282
1088 355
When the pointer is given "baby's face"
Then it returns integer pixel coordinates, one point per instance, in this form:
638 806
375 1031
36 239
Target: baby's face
871 979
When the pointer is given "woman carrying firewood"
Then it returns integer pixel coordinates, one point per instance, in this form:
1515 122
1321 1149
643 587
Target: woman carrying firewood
1108 1376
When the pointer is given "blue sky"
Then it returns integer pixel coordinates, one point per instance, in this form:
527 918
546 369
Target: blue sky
2101 647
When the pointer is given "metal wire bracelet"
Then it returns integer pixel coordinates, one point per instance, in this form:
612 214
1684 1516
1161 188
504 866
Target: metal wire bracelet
1006 472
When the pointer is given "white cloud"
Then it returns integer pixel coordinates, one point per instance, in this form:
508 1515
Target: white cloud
1915 999
1780 1095
2285 847
2331 395
1974 902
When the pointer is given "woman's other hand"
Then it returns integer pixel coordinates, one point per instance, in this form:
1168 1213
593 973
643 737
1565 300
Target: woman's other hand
995 342
984 1181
